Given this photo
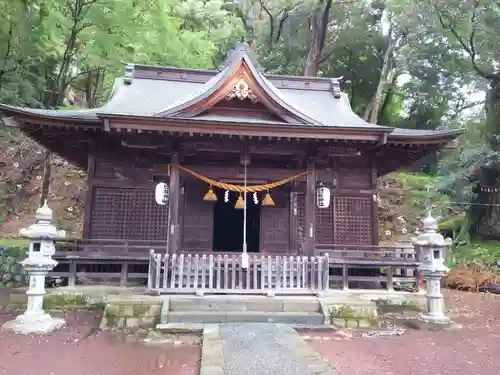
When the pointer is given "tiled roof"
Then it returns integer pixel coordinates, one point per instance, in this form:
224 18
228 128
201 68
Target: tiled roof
150 97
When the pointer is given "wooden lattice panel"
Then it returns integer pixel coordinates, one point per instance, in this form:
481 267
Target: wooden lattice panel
127 214
301 211
324 225
353 220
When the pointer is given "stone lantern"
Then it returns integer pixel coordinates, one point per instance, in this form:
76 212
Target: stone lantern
431 247
37 265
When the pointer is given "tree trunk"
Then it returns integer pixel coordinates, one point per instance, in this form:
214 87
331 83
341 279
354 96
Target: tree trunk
318 28
46 177
384 115
486 215
372 111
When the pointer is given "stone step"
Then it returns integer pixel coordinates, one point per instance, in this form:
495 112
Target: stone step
245 303
207 317
180 327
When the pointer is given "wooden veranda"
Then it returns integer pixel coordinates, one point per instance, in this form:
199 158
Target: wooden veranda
148 264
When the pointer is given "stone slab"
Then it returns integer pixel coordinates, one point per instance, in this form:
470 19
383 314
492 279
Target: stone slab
244 303
245 317
212 356
262 349
180 327
165 308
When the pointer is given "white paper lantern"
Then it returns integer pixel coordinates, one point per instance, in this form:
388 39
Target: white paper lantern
323 197
161 193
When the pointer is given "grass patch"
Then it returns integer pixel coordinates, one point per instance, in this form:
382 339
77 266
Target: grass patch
14 242
65 301
417 180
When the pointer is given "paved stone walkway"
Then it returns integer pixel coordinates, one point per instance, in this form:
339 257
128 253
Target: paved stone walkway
258 349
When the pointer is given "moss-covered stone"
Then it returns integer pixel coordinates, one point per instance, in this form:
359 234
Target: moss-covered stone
131 316
140 310
349 317
110 317
388 306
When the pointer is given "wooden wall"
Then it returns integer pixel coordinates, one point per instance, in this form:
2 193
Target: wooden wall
120 201
352 215
120 205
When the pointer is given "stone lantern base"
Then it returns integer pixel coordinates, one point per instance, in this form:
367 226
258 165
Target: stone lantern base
27 324
423 324
433 319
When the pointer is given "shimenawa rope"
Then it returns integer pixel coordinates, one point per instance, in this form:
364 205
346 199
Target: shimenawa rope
237 188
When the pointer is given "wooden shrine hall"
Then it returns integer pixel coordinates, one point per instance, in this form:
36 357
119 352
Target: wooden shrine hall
210 136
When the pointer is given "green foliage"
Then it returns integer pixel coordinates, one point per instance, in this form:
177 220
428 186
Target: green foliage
420 194
485 253
11 272
48 47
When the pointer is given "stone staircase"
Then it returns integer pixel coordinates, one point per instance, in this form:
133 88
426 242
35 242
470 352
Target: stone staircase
179 310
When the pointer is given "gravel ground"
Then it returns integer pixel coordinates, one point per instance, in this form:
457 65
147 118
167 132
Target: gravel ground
79 349
473 350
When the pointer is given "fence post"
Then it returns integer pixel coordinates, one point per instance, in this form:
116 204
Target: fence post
326 261
151 269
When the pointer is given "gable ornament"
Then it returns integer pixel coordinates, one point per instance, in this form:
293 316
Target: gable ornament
241 91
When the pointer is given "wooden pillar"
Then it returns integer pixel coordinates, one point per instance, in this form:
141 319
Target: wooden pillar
375 220
87 213
173 208
310 211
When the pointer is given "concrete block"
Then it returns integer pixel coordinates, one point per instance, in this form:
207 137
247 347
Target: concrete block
147 321
132 323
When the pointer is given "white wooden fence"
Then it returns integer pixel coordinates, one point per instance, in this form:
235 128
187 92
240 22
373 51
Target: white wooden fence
188 273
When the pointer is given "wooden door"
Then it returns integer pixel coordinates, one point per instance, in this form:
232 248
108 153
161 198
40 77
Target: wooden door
198 220
275 225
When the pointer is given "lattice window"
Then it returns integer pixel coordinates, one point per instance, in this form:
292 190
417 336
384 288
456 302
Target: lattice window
301 211
353 220
324 225
127 214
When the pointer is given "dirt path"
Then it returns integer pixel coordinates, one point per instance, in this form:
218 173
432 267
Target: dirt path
79 349
474 350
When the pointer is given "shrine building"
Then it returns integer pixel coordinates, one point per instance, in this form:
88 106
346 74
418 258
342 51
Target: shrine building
211 135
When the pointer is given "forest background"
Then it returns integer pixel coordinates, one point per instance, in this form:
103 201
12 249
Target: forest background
421 64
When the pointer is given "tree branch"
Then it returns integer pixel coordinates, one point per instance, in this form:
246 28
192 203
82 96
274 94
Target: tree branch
281 24
271 23
468 46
